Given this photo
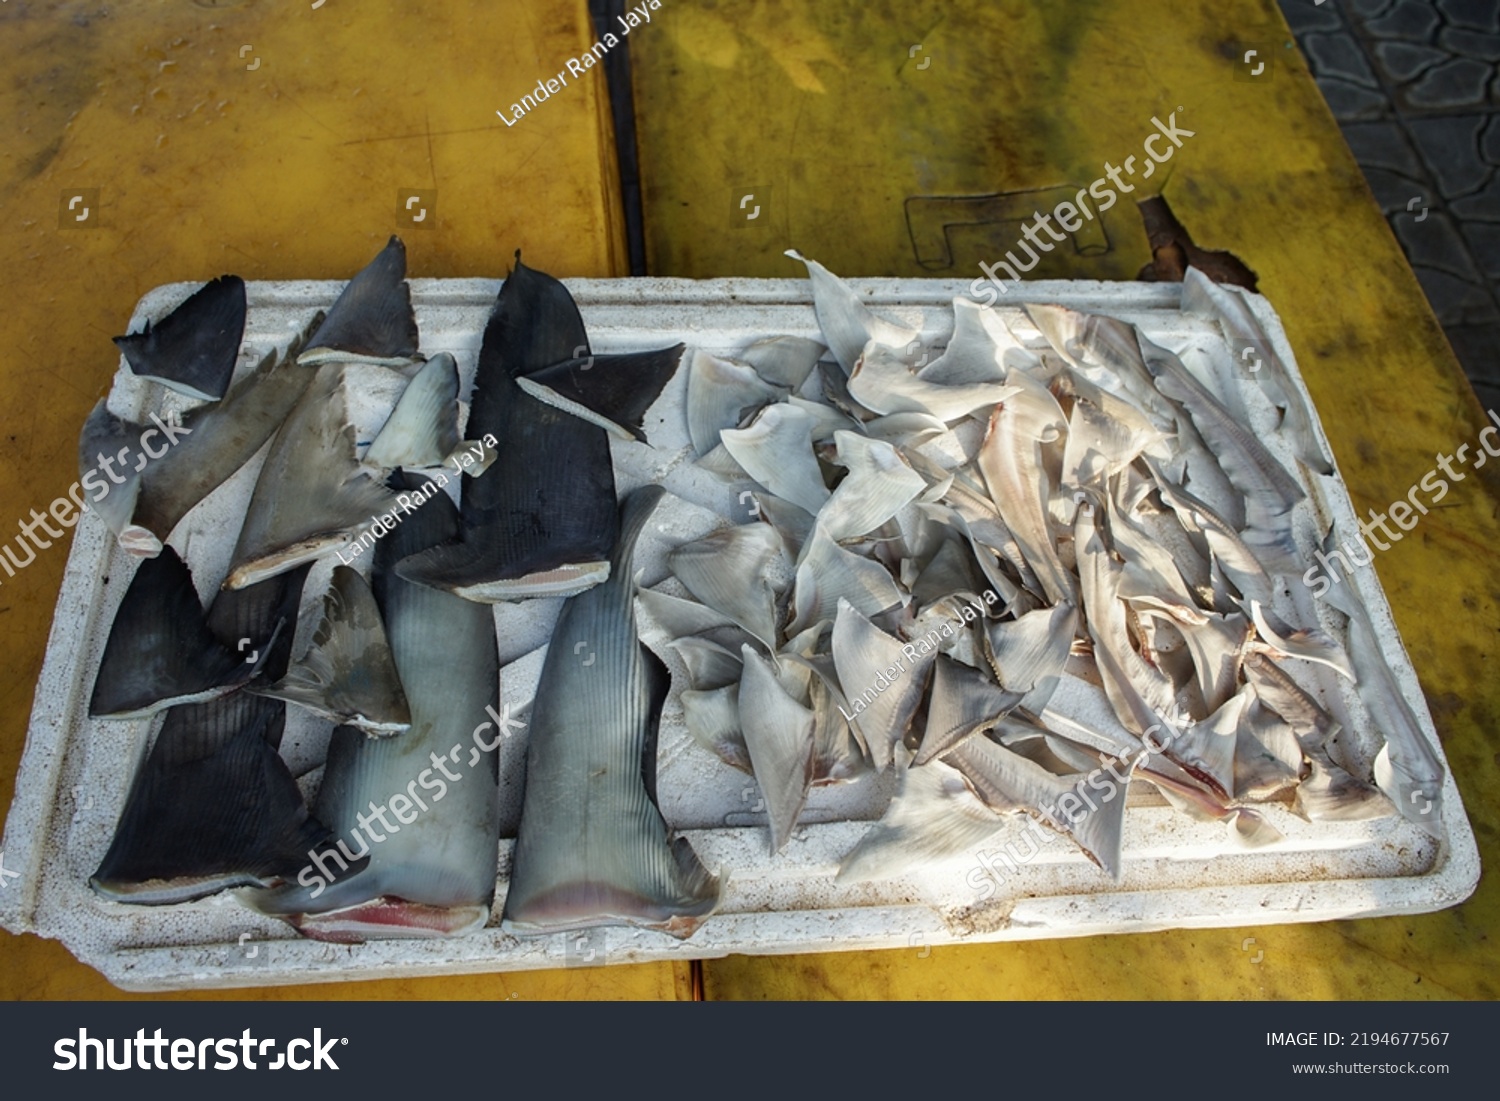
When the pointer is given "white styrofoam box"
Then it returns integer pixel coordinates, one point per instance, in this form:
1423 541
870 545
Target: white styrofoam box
1177 872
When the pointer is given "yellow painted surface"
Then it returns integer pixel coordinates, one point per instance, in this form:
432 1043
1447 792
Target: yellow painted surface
828 116
208 162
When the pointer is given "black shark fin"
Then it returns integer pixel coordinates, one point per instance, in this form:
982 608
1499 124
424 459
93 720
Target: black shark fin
613 392
213 807
261 618
194 348
543 518
160 650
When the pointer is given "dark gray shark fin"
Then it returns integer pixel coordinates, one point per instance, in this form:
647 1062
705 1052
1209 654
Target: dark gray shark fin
194 348
612 392
160 650
213 806
261 617
372 320
542 519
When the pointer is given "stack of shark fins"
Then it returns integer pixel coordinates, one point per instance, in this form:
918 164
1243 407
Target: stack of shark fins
405 664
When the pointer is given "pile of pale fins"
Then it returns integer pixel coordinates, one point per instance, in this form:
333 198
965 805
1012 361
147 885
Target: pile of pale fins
941 538
404 658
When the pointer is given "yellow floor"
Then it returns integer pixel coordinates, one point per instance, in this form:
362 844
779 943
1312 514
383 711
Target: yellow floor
855 145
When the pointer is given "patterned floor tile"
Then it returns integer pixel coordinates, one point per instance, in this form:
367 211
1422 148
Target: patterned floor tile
1415 86
1450 148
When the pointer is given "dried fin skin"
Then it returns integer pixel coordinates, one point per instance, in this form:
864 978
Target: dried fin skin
778 736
